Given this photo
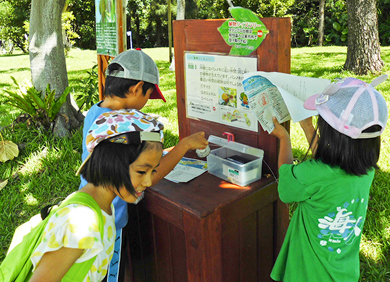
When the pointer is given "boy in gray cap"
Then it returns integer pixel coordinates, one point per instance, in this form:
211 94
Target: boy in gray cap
132 78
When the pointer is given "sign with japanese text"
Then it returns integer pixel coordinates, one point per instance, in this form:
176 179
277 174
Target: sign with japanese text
244 33
214 89
106 28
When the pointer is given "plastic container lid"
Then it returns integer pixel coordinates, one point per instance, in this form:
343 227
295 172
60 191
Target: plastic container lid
223 142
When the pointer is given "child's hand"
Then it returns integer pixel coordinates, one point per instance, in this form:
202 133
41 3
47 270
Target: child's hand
195 141
279 131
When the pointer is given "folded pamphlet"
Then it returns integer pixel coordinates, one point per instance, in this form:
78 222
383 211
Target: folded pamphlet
281 95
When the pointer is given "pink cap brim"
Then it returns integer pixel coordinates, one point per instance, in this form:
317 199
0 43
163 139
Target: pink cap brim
156 94
310 103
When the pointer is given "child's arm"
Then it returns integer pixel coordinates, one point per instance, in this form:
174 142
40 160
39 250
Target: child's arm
310 133
54 265
170 160
285 151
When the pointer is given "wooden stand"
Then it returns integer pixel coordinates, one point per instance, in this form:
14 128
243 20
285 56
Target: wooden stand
208 229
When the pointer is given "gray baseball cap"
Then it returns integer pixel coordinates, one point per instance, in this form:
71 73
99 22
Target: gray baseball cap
138 66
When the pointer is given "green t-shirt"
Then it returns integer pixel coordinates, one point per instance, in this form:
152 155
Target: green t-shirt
323 238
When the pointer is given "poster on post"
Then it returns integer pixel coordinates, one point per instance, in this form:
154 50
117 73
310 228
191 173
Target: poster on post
214 90
106 27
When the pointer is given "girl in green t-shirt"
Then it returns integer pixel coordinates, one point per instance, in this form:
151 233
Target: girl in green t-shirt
323 238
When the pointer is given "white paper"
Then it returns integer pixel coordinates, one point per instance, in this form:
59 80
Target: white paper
214 89
298 86
186 170
183 173
295 106
286 95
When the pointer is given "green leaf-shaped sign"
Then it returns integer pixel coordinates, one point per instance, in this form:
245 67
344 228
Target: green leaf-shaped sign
244 32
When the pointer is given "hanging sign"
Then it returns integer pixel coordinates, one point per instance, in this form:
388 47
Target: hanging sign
214 89
244 32
106 27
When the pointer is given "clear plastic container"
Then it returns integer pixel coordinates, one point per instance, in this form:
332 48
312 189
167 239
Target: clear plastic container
235 162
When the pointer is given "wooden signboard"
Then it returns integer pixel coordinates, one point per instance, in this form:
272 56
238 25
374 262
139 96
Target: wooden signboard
208 229
203 36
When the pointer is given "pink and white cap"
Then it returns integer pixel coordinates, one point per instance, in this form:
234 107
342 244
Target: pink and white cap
350 106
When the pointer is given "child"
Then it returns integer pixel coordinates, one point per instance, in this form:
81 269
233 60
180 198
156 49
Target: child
323 238
132 79
125 149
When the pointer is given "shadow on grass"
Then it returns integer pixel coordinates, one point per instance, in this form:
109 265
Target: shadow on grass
316 70
161 110
14 70
170 139
43 172
14 55
323 63
75 77
327 54
4 85
373 271
376 265
80 88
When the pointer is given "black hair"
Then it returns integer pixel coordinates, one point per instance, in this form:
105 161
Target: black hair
110 162
117 86
354 156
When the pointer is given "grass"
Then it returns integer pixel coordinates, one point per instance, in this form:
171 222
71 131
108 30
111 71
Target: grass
46 165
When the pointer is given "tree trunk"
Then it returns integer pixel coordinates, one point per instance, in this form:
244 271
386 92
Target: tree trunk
138 28
363 54
321 23
181 10
47 59
158 31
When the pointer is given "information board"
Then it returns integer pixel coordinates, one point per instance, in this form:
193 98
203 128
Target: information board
106 27
214 90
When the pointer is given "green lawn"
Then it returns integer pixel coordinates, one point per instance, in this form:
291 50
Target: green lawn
46 165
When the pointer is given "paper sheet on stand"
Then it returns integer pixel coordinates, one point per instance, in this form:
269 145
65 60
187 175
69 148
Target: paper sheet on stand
182 173
186 170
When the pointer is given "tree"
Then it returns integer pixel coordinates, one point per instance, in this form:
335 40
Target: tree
219 9
158 19
363 54
321 19
384 22
47 59
84 23
13 15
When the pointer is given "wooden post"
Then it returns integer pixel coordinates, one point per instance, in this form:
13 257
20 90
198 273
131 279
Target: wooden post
170 30
103 62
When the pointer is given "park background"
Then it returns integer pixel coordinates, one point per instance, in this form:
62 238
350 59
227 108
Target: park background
46 164
148 20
